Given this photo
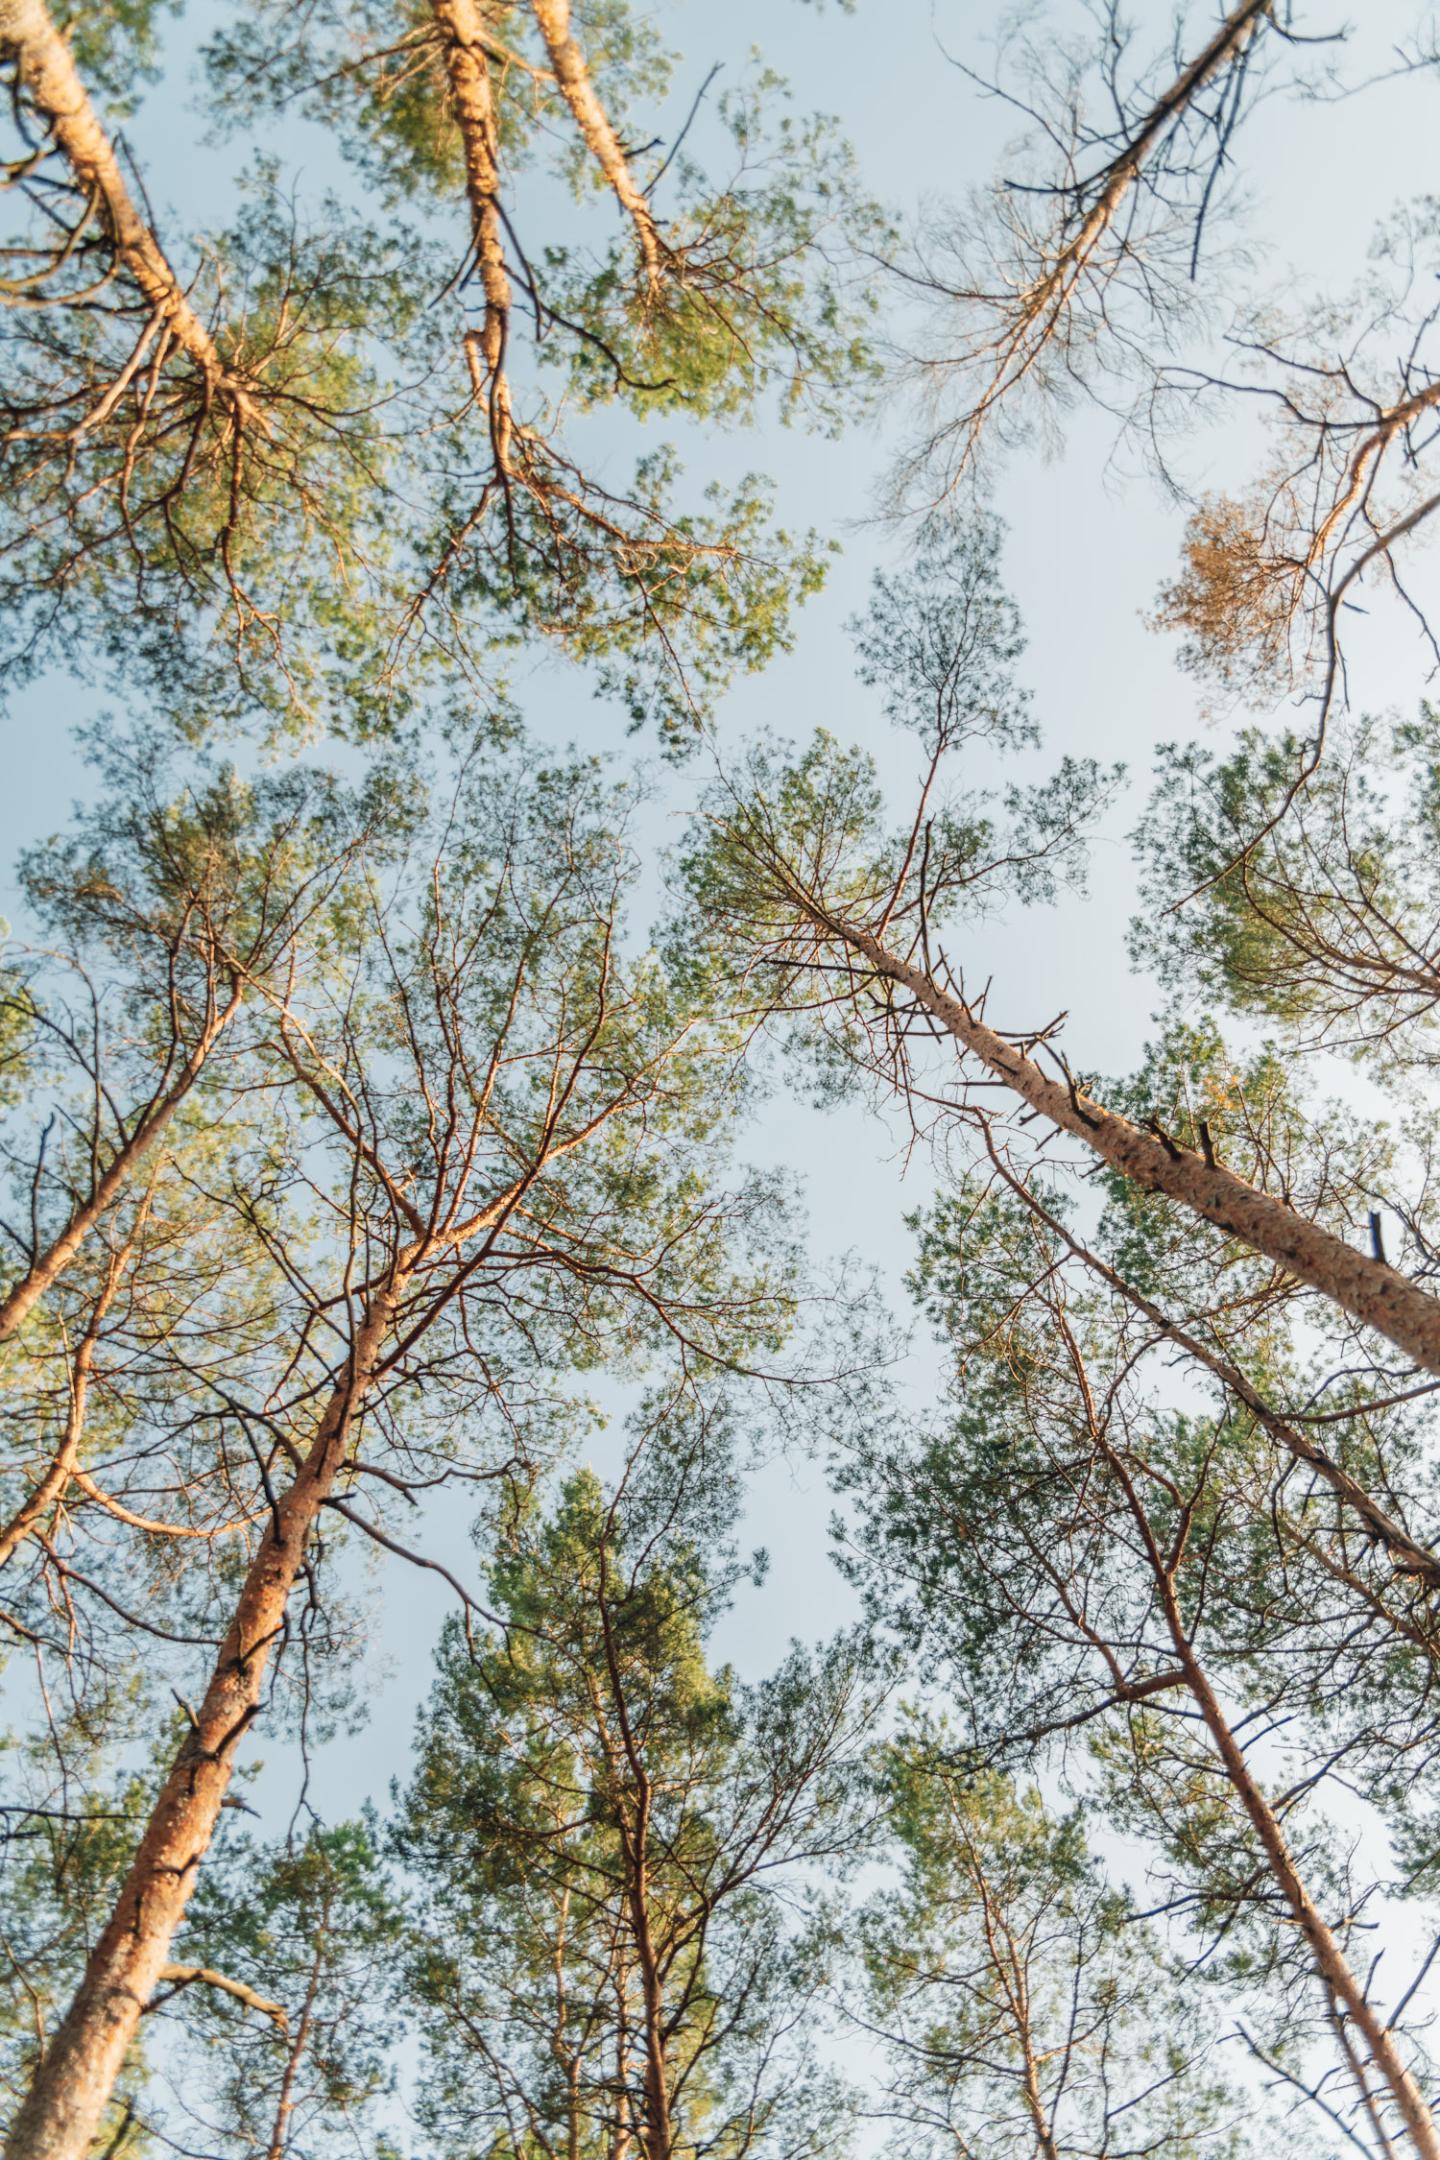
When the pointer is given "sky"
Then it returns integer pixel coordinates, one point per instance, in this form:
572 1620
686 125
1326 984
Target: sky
1090 540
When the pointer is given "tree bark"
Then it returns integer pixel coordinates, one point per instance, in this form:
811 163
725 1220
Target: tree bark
57 1477
1331 1965
1040 306
1330 1960
1370 1290
285 2104
593 121
462 28
49 75
77 2074
178 1976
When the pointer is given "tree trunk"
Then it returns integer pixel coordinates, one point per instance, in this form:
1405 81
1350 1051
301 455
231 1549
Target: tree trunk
1407 1554
285 2104
48 73
467 65
77 2074
57 1477
593 121
1331 1965
1371 1291
1330 1960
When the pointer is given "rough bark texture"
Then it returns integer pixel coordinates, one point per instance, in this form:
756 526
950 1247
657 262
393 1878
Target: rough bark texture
49 1265
77 2075
49 76
462 28
1371 1291
593 121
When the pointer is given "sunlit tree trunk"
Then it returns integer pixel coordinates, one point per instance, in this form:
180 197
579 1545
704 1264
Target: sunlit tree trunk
1373 1292
77 2074
50 78
595 126
467 66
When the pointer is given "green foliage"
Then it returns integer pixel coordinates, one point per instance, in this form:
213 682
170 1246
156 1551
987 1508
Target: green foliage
1078 1521
310 1928
665 607
118 48
176 533
375 72
940 640
604 1823
761 295
796 852
1024 2006
66 1833
325 523
1310 898
1322 1155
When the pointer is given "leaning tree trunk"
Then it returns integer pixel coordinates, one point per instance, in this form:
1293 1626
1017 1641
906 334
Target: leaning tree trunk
1369 1289
49 76
1329 1957
1407 1554
77 2073
590 116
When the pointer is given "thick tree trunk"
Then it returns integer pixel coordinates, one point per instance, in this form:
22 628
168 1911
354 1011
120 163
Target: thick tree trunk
78 2071
1373 1292
49 1265
49 75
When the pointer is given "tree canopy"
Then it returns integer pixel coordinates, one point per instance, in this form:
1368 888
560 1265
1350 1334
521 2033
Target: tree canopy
550 1610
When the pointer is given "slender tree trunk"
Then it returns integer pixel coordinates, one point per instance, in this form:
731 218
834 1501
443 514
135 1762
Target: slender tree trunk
285 2104
1330 1961
1230 39
1331 1964
1032 315
63 1467
658 2133
593 121
1009 1968
49 75
1373 1292
77 2074
57 1477
468 68
620 2150
656 2130
49 1265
